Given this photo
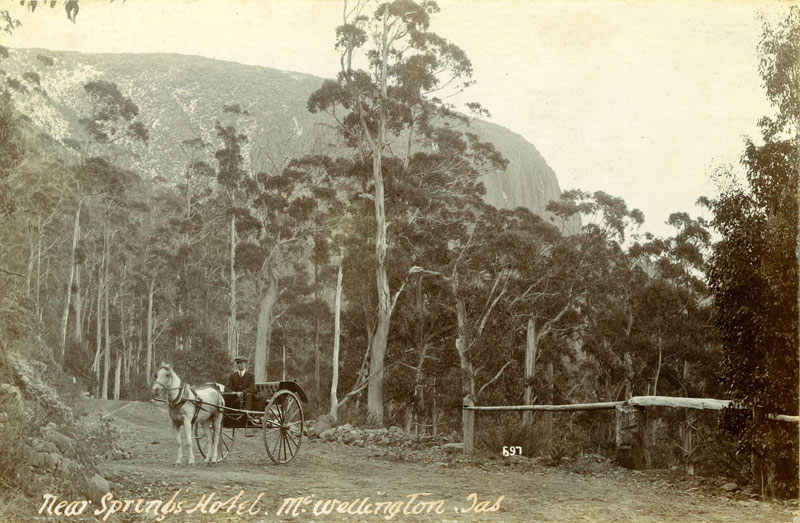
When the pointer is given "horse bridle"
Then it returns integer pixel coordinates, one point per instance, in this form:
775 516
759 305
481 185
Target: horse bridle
180 387
180 400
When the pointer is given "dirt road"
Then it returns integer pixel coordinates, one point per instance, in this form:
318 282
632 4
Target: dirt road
376 484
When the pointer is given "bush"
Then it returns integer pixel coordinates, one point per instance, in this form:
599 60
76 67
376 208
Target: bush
495 431
32 78
46 60
16 85
12 422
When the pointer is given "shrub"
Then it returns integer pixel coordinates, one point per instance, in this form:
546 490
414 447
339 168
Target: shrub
46 60
495 431
32 77
16 85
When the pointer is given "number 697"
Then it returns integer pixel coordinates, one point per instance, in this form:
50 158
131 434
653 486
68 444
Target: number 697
512 451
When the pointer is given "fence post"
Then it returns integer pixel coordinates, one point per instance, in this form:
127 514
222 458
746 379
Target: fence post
756 461
468 420
631 437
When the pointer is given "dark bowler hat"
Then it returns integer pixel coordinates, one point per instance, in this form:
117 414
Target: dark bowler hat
237 359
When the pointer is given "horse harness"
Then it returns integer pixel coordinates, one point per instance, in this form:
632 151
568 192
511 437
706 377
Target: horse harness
181 398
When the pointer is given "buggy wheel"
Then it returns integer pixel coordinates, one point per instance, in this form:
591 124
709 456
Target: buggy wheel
283 426
203 439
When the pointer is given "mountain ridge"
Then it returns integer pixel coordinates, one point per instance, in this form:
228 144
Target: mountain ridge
181 97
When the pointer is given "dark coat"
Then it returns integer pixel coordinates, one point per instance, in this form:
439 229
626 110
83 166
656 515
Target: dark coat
246 383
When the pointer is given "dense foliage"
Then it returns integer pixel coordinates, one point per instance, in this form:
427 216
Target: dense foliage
754 272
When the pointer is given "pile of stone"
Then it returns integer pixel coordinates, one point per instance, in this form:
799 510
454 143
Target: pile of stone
49 457
44 458
326 429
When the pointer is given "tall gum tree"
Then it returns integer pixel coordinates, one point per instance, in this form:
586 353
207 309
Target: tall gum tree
233 180
110 121
392 99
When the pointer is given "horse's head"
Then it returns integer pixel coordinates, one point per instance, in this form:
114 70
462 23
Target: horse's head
165 381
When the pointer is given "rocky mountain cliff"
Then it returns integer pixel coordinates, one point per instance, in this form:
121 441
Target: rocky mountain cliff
180 97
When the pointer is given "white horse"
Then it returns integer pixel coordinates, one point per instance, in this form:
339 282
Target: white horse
188 406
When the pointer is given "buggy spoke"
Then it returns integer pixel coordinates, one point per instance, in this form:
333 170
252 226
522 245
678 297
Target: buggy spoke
284 444
290 439
277 443
283 432
202 436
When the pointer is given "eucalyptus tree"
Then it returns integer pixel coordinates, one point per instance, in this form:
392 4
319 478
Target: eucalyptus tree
291 215
678 314
110 122
235 183
753 271
329 189
555 295
110 217
391 100
42 206
158 223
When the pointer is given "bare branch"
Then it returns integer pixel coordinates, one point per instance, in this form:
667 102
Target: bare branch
495 377
12 273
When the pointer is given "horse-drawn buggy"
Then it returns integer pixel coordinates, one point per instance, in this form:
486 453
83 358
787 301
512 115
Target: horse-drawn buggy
217 416
277 413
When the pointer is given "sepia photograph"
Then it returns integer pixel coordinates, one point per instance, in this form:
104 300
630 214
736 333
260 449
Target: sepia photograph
399 260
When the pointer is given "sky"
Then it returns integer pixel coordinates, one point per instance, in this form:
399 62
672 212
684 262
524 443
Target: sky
642 99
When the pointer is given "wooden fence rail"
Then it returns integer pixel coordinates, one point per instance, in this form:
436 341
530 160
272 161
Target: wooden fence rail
631 419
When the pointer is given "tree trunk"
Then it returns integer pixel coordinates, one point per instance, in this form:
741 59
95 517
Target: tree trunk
107 355
264 329
316 329
39 277
78 307
377 355
337 307
29 270
418 405
139 346
548 416
233 348
530 370
379 341
99 324
462 343
65 315
126 346
86 311
150 291
434 416
658 368
118 376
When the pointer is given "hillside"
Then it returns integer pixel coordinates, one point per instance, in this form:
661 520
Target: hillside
180 97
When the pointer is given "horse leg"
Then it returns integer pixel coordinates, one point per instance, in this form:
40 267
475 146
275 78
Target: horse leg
211 457
178 438
187 425
216 424
218 419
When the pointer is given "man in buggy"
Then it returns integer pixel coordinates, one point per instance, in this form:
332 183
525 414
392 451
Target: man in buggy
243 382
